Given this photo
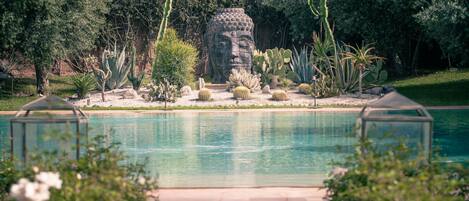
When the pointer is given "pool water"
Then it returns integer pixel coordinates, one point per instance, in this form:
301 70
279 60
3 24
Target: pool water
251 149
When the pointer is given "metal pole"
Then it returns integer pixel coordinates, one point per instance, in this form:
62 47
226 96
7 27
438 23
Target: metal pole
24 143
11 141
78 139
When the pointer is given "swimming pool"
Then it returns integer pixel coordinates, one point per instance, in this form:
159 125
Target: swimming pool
247 149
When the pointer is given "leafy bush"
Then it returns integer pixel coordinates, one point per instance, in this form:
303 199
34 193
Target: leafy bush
241 92
175 61
395 174
205 94
305 88
163 91
83 84
279 95
240 77
99 174
447 22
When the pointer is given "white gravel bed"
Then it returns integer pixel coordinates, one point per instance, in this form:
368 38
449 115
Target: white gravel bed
220 98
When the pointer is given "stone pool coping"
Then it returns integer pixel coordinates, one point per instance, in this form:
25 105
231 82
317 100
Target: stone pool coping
306 109
243 194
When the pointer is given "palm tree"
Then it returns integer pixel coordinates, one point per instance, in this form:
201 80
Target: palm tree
361 58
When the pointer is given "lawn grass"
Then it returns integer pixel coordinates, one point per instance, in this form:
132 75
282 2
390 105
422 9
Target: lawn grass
443 88
25 91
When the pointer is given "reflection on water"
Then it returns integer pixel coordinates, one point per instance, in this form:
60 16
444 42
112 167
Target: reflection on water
237 149
229 149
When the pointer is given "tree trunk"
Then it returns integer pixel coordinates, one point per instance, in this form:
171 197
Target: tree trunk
41 79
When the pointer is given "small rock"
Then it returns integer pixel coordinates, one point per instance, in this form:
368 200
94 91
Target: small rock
186 90
201 83
375 91
130 94
387 89
266 89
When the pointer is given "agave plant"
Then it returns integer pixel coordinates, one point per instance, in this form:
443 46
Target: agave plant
361 58
115 62
302 66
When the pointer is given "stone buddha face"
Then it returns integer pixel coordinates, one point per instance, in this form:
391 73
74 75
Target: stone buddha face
230 44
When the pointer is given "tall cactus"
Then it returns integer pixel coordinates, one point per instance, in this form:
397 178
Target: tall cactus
102 74
164 21
322 11
134 78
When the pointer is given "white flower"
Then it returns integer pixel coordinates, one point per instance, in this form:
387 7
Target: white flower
25 190
339 171
35 169
141 180
79 176
50 179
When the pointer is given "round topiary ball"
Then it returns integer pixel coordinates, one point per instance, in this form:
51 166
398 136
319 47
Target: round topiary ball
305 88
241 92
205 94
279 95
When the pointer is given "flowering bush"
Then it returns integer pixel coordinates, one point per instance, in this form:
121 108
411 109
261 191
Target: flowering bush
395 175
99 174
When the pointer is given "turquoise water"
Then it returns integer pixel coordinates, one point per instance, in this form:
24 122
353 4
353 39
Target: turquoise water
245 149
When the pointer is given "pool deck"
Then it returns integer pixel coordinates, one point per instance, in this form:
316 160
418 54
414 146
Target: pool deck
243 194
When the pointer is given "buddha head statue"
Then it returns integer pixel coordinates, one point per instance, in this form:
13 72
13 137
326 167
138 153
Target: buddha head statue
230 43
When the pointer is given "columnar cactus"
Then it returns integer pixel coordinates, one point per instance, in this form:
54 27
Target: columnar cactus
164 21
134 78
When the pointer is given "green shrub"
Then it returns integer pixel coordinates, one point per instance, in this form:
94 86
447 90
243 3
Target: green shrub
241 92
305 88
83 84
175 61
205 94
100 174
279 95
395 174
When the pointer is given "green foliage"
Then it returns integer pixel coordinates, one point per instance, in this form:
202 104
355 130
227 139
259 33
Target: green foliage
240 77
114 61
133 77
325 87
83 84
100 174
279 95
376 73
175 60
395 175
302 66
387 23
305 88
163 91
205 94
46 31
241 92
447 22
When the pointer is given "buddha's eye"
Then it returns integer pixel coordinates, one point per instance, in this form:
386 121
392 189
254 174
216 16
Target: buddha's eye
244 44
222 44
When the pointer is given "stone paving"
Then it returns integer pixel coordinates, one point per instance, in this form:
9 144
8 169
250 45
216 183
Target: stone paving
243 194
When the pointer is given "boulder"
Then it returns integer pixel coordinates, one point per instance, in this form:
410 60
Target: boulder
266 89
130 94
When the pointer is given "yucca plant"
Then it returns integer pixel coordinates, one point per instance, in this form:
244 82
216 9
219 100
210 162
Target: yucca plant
83 84
361 58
